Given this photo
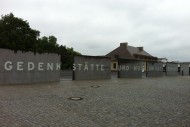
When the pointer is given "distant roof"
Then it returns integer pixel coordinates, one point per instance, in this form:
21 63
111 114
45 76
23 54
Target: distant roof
120 52
136 50
125 51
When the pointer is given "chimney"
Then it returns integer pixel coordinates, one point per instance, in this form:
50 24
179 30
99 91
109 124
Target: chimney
140 48
124 45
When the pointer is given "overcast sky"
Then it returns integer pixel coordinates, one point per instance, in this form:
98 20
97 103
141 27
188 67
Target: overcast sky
97 27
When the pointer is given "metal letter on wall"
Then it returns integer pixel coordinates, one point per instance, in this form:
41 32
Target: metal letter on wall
91 67
130 69
154 69
28 68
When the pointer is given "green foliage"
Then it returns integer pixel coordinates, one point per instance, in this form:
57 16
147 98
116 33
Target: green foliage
48 45
68 57
16 34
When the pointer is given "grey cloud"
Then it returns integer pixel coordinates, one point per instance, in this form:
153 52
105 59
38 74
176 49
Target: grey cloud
97 27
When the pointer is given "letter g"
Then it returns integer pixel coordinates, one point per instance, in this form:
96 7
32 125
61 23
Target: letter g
8 65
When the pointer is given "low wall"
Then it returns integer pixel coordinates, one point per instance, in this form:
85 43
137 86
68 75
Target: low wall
28 68
154 69
130 69
184 68
172 69
91 67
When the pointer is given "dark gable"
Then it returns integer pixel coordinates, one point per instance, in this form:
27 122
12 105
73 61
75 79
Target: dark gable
124 51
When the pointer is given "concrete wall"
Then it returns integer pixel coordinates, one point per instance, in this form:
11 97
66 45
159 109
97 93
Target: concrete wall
130 69
154 69
91 67
172 69
28 68
185 68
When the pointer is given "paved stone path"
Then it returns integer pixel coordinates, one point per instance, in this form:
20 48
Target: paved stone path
147 102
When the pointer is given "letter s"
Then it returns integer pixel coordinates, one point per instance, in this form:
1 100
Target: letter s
74 67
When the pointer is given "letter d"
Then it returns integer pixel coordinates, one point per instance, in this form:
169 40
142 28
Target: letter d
30 66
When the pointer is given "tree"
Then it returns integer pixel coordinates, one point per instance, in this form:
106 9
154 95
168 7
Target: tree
69 58
16 34
47 45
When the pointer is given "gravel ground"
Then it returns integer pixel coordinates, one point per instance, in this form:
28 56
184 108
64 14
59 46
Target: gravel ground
147 102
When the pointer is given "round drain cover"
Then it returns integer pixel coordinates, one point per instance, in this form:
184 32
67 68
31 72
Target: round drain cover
75 98
95 86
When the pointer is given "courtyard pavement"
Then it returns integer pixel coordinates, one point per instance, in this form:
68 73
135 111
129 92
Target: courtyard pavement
147 102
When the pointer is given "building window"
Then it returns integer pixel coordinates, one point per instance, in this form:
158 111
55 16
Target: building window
114 65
